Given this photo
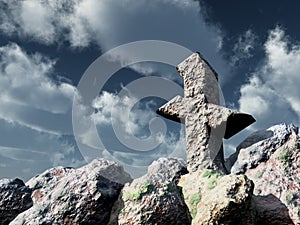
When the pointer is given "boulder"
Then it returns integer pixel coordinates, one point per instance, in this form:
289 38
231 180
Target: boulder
279 177
15 198
270 210
258 147
75 196
213 198
155 198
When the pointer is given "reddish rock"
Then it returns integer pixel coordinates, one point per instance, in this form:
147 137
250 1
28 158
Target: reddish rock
74 196
277 176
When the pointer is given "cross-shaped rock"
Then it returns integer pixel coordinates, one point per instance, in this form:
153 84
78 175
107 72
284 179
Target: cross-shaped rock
206 122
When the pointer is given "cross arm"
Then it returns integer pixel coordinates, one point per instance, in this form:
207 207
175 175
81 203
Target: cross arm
234 121
173 109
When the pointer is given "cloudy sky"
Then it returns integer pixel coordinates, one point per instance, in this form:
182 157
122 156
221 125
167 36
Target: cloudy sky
46 47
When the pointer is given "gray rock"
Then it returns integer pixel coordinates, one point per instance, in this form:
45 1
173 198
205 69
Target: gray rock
277 184
259 146
206 122
45 182
213 198
14 199
75 196
167 170
154 198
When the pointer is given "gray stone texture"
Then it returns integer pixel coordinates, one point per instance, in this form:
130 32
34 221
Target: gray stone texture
214 198
74 196
277 182
155 198
205 120
259 146
15 198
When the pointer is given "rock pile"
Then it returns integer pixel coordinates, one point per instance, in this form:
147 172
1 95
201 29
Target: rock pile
271 158
213 198
74 196
102 193
155 198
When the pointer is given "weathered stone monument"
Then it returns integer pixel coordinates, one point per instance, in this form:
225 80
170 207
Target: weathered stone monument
206 122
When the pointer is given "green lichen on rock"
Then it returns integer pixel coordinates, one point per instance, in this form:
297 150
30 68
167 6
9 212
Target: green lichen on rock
208 173
193 212
259 174
257 191
172 188
296 146
212 177
194 200
155 197
285 157
291 197
136 194
211 184
209 195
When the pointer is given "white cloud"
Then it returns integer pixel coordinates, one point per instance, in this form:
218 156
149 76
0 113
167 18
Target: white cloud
136 163
114 113
110 23
244 47
107 23
272 94
27 93
126 113
42 21
35 19
104 105
22 154
25 152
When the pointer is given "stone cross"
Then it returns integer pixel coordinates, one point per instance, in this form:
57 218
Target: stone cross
206 122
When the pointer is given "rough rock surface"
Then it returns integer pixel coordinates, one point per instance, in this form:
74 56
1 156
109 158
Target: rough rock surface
205 120
216 199
279 179
270 210
167 194
75 196
259 146
15 198
155 198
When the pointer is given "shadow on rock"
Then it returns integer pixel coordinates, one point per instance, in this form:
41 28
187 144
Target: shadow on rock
270 210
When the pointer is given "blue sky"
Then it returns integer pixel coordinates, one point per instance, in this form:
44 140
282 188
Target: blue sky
46 46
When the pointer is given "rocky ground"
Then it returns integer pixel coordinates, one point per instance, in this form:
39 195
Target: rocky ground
276 175
263 188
